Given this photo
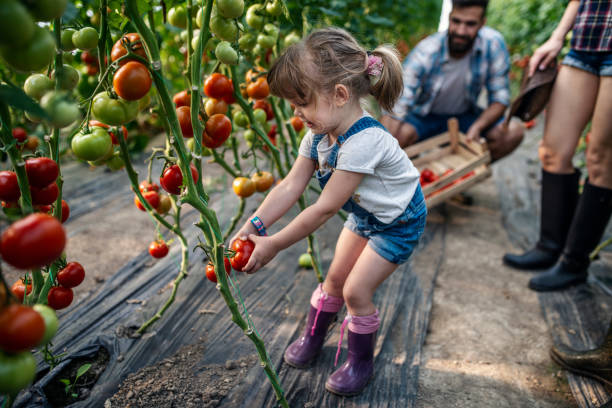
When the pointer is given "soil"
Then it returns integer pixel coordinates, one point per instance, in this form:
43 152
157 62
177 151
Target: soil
178 381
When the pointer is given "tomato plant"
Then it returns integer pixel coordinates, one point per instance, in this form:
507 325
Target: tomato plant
258 89
41 171
59 297
45 195
19 289
71 275
135 44
158 249
218 86
214 106
145 185
152 198
21 328
113 111
9 187
20 134
172 179
182 98
243 250
33 241
218 129
132 81
92 146
183 114
210 269
112 134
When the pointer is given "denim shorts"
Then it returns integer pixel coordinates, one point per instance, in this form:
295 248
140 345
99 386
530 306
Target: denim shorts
433 124
597 63
394 241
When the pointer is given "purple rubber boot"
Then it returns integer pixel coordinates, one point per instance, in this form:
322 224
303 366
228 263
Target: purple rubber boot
352 377
323 310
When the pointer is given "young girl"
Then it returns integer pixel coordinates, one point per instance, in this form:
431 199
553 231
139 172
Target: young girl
363 170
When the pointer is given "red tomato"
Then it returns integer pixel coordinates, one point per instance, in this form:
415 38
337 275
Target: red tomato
65 211
428 175
218 129
530 124
46 195
172 178
145 185
33 241
259 88
158 249
72 275
59 297
183 114
136 45
218 86
587 138
9 188
210 269
132 81
243 249
20 134
265 105
18 288
182 99
297 123
21 328
152 198
88 58
112 134
41 171
92 70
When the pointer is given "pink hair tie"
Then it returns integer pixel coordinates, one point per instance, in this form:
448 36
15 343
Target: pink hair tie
375 65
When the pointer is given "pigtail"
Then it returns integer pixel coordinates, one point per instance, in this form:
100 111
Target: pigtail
388 86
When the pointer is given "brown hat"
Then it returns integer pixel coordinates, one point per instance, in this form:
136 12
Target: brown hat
534 93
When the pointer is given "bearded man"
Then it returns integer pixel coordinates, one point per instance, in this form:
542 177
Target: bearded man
443 77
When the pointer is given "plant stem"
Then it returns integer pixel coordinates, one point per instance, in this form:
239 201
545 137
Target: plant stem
235 219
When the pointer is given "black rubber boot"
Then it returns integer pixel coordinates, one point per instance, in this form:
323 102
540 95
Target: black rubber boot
595 363
559 196
588 226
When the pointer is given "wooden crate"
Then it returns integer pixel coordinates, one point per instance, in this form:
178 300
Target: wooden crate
468 163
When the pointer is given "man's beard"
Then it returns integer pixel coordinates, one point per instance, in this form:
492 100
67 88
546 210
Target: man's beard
458 47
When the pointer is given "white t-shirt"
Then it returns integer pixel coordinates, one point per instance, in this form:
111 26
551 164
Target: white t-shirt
390 177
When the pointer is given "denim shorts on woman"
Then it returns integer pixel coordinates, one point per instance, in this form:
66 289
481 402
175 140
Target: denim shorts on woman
395 241
597 63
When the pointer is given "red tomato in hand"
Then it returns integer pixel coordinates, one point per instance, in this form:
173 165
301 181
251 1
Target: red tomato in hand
218 86
19 288
243 249
41 171
218 129
210 269
72 275
158 249
59 297
21 328
33 241
172 178
152 198
9 188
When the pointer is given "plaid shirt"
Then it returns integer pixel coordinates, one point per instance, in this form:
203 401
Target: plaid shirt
489 66
593 26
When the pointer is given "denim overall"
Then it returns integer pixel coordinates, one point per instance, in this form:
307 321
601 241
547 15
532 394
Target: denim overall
394 241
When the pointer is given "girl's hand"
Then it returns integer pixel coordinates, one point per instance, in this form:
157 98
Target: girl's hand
265 250
243 233
545 54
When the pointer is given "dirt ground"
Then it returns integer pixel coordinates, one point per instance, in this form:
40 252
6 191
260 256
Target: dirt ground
487 343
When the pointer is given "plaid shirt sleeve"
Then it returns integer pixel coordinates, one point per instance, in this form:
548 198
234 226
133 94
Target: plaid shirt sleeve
498 82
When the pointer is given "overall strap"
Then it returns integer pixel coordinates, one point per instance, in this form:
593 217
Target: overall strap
362 124
314 154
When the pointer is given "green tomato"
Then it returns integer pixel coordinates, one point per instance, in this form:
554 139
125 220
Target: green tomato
305 261
33 118
274 8
253 19
211 44
17 371
260 115
86 38
230 8
223 28
70 77
291 38
67 44
47 10
205 150
265 41
247 41
200 18
226 54
16 24
144 102
113 112
240 118
177 16
92 146
34 56
271 30
250 137
115 162
36 85
51 322
61 110
87 85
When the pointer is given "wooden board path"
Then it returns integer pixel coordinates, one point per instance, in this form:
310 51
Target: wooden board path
577 317
276 297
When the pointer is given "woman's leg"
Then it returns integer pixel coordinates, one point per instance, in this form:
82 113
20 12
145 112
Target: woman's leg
599 149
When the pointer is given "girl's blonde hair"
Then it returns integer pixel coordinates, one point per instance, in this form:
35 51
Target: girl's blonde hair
331 56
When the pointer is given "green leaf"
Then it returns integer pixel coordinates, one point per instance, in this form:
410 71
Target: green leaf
16 98
82 370
330 12
378 20
65 381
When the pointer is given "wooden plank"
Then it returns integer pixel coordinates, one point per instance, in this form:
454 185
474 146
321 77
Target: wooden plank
453 131
433 155
480 174
430 143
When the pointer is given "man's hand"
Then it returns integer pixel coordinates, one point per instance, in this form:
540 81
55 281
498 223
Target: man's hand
402 131
473 133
